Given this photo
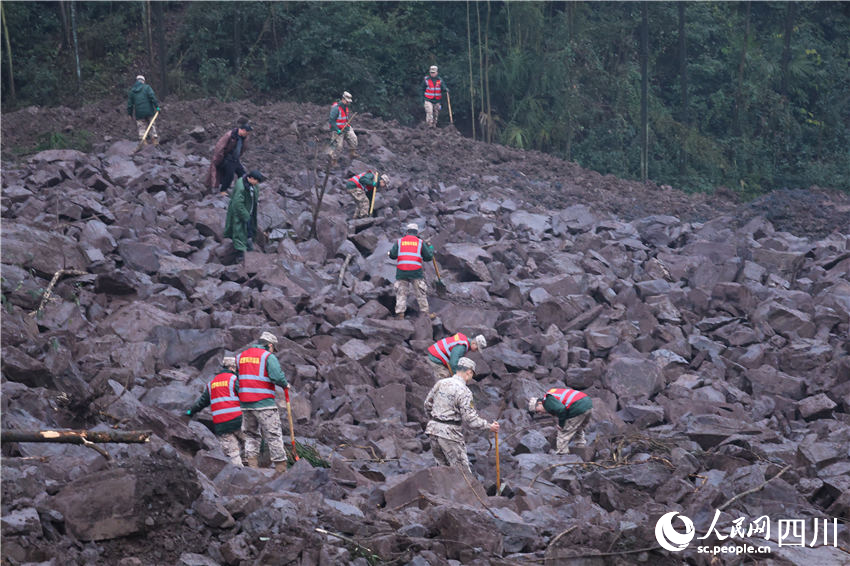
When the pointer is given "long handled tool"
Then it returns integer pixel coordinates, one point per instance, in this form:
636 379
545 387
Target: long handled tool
498 470
144 137
291 430
441 287
374 192
449 100
342 129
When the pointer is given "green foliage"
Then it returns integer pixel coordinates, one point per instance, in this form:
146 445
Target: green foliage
562 77
76 139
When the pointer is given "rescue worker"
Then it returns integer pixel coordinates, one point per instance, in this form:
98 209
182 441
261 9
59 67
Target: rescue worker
259 371
221 395
433 88
444 354
573 409
341 130
411 252
361 187
240 225
449 404
141 106
227 155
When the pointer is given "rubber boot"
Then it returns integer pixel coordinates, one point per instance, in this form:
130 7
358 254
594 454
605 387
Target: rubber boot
252 461
280 467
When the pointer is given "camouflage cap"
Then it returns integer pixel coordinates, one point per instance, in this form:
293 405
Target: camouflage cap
268 337
466 363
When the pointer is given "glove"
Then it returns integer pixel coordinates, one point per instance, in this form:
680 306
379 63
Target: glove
158 109
338 131
189 412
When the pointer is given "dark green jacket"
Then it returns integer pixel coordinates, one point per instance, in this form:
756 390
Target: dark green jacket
554 407
142 102
427 255
242 213
233 425
276 376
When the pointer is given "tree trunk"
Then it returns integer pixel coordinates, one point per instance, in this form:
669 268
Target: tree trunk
148 29
76 43
469 56
76 436
644 82
319 194
480 67
683 86
236 35
162 50
8 53
742 64
786 52
487 75
66 26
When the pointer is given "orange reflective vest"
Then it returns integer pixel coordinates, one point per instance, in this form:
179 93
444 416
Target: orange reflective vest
433 92
409 253
342 119
443 348
356 181
566 396
254 382
224 403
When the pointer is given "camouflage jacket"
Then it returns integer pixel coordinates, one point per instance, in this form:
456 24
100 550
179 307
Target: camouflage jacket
449 404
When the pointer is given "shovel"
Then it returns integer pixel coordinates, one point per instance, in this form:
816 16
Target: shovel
144 137
291 430
449 100
374 192
438 284
498 470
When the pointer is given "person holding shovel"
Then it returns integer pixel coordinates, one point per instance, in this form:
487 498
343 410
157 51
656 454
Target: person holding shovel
444 354
411 252
259 371
221 395
449 405
573 410
362 188
142 105
433 88
339 121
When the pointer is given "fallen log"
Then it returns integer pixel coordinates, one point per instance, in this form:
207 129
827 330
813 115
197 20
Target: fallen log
76 436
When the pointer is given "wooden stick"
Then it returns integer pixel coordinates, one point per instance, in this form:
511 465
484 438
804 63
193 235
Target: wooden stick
374 192
342 270
49 291
498 469
144 137
753 490
291 430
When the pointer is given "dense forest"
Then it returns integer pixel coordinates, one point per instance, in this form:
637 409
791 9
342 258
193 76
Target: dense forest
748 95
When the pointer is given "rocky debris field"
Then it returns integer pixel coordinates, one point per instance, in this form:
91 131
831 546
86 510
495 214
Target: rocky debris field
712 336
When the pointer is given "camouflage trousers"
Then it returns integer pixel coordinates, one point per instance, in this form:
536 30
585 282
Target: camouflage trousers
362 201
450 453
402 289
230 443
432 113
337 140
573 426
440 371
259 424
142 125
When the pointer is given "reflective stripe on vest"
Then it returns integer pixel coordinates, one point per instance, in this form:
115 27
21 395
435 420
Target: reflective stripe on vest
442 349
566 396
224 402
342 119
254 382
433 90
356 181
409 253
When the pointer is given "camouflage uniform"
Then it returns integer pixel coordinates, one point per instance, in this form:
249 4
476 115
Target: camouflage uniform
402 289
230 444
570 428
259 423
440 371
449 403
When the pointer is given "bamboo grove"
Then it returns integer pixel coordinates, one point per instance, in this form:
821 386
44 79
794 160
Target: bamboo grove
747 95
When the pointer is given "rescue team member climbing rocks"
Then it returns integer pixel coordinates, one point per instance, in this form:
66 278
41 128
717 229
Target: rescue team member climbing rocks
339 121
221 395
227 155
449 405
259 371
141 106
433 87
568 405
411 252
361 187
444 354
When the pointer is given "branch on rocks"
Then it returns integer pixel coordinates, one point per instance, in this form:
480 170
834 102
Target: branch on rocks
469 483
342 270
755 489
87 438
49 291
367 553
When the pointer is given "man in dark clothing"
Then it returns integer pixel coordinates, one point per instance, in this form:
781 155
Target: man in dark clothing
226 160
411 252
433 87
568 405
241 222
142 105
361 187
221 395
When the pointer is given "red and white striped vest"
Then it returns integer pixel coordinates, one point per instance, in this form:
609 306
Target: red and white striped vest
442 349
254 382
224 402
